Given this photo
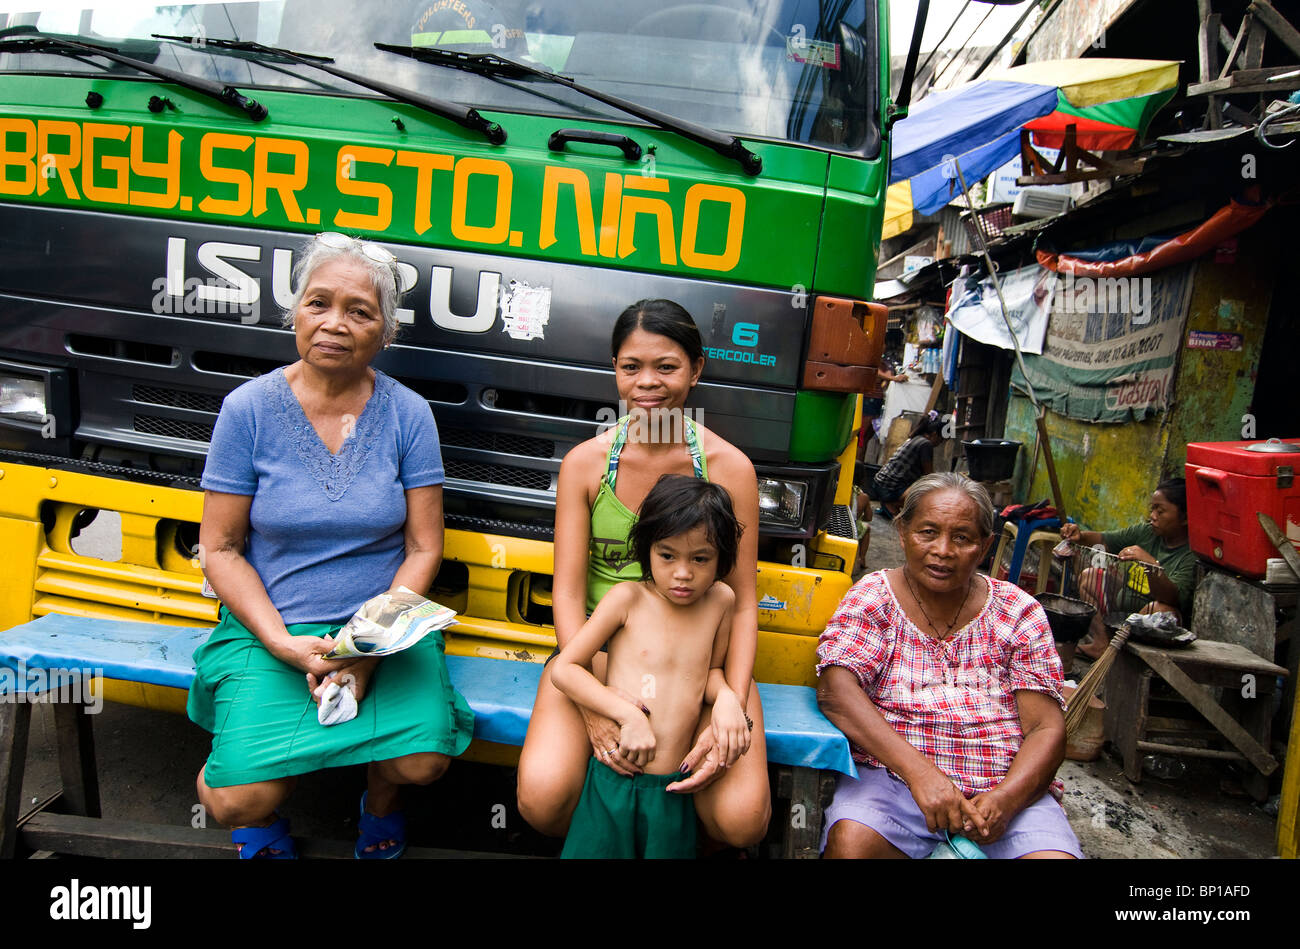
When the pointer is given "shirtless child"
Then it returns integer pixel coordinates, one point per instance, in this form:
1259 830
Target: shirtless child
667 638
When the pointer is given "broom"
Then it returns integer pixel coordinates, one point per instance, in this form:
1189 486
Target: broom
1077 707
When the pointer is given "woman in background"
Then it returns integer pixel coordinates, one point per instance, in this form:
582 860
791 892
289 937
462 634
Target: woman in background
1159 541
913 459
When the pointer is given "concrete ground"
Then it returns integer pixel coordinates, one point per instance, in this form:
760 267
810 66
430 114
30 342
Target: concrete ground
1190 816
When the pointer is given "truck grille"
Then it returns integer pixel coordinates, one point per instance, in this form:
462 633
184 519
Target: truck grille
173 428
840 522
177 398
498 442
498 474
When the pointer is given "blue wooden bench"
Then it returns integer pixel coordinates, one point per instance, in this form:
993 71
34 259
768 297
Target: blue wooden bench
59 650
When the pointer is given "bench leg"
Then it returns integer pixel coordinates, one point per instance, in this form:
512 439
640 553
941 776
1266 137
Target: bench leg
77 760
1256 716
802 832
1128 687
15 719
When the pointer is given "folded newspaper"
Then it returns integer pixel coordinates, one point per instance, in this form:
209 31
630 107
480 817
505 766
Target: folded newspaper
389 623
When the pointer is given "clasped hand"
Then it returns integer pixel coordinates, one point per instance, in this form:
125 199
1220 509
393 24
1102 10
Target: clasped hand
710 757
305 653
606 738
946 808
717 748
731 733
636 739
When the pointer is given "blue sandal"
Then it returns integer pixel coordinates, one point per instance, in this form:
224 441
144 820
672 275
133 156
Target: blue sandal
258 842
377 830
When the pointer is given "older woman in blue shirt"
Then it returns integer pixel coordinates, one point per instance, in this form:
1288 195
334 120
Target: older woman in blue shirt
323 488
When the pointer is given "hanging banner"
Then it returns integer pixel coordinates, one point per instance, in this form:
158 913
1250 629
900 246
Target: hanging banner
974 308
1111 345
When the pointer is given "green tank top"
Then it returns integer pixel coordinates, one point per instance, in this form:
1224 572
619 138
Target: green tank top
610 559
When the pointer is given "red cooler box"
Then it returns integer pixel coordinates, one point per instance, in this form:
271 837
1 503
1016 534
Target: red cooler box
1227 483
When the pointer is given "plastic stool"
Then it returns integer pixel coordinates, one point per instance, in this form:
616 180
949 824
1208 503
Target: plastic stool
1046 541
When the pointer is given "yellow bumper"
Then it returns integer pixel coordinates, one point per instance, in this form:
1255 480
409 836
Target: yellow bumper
500 586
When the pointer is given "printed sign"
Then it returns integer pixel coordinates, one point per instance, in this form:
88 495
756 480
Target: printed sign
1205 339
1111 345
397 193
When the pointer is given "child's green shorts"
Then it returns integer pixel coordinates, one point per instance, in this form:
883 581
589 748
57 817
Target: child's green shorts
626 818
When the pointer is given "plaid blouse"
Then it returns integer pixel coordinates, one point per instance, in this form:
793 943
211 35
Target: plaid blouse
953 700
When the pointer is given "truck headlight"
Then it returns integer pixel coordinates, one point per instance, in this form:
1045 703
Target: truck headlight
22 398
35 406
780 502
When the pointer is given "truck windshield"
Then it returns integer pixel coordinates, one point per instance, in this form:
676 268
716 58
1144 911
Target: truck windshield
804 71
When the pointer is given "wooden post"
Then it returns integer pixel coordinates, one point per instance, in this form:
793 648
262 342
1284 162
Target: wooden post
1129 685
1288 815
1277 24
1246 22
15 722
77 757
1208 40
1253 57
1058 498
806 834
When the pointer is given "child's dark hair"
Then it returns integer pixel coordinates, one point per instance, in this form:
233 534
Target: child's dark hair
662 318
1175 492
679 503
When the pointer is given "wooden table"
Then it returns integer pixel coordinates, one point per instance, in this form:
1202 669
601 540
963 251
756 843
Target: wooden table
1242 714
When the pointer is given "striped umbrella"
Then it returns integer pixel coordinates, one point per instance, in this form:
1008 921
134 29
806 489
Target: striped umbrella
1109 101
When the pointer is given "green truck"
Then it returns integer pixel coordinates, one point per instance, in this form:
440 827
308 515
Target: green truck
535 165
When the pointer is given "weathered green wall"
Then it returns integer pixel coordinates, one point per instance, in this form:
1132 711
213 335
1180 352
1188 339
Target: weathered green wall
1214 388
1107 472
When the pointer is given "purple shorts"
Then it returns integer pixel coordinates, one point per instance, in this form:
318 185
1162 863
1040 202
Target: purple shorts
880 801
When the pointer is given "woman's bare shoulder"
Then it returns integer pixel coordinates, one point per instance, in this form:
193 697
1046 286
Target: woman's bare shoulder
583 466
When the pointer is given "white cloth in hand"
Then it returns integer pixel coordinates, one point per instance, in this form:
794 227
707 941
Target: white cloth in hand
338 703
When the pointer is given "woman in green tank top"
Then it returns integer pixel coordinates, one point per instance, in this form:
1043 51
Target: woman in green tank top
658 357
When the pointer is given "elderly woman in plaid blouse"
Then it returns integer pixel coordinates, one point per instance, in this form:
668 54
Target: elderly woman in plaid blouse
948 687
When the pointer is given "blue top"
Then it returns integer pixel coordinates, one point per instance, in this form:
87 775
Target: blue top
325 531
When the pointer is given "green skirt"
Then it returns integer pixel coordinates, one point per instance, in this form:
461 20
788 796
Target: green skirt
263 719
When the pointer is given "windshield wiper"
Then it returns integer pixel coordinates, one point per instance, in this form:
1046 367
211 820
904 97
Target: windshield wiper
265 61
487 64
461 115
33 40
